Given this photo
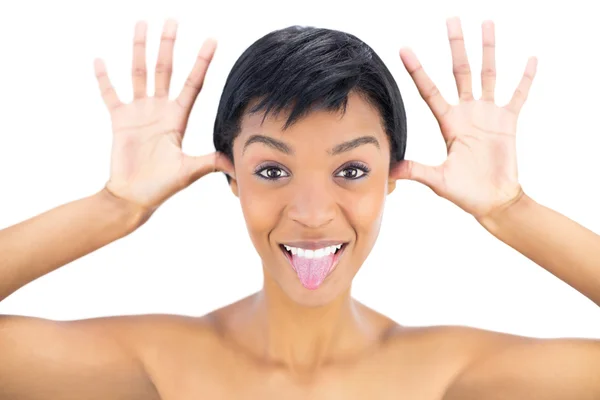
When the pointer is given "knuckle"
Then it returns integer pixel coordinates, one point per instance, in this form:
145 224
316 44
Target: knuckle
462 69
163 68
446 111
139 72
520 94
180 104
488 72
419 68
109 90
487 94
431 92
202 59
167 38
191 83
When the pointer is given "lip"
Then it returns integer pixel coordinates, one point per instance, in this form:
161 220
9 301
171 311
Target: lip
336 260
313 244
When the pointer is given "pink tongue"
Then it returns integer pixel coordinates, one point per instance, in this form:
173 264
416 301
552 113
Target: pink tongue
312 272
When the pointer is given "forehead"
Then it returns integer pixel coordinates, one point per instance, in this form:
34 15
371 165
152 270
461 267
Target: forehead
359 118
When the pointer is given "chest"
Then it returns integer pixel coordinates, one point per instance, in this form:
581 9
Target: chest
372 382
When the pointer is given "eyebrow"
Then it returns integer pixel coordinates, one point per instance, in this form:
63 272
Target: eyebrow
337 149
354 143
269 141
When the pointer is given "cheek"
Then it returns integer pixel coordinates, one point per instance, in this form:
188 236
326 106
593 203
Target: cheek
261 209
364 209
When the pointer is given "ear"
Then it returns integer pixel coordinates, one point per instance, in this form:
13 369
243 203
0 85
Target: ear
392 178
225 165
391 185
233 186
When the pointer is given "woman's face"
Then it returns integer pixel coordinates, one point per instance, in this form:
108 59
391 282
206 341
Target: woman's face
318 184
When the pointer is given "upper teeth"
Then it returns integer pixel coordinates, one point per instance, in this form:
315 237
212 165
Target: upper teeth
325 251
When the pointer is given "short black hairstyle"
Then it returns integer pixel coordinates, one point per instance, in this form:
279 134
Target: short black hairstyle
302 69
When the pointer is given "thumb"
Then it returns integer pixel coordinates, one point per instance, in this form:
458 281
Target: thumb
195 167
427 175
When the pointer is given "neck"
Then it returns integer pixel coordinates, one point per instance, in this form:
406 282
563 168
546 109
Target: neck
300 338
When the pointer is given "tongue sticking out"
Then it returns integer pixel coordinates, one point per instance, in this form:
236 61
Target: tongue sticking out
312 272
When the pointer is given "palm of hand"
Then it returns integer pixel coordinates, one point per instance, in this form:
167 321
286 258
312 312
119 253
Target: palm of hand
147 147
148 165
480 172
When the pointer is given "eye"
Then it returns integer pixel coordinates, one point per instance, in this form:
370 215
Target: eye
271 172
353 171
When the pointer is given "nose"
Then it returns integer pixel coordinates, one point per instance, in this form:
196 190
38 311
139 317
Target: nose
312 205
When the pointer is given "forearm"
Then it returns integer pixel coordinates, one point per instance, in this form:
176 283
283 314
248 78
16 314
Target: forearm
50 240
561 246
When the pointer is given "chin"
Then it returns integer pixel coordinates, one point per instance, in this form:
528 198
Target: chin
327 293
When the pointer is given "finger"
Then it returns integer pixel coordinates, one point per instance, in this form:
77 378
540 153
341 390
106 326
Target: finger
139 71
460 62
414 171
522 91
164 64
195 80
195 167
429 92
488 68
106 88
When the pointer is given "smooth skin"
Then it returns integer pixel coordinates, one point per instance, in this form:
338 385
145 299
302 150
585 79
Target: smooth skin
284 342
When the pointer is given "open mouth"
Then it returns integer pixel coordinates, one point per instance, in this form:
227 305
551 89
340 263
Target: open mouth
289 251
313 266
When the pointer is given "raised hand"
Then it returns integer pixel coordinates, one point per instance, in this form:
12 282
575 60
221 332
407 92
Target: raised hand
148 165
480 172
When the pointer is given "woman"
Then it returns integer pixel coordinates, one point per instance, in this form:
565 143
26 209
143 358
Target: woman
311 134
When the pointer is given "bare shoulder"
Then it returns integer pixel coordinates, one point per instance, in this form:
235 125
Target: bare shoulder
432 357
524 368
160 338
95 358
180 352
475 363
455 346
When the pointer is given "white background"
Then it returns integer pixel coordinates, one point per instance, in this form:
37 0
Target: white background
433 264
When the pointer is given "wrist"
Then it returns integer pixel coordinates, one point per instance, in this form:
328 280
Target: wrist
494 220
131 215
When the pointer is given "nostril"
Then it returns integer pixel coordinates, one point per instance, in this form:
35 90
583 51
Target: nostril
312 221
312 212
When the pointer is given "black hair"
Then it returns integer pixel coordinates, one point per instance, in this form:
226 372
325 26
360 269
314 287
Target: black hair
303 69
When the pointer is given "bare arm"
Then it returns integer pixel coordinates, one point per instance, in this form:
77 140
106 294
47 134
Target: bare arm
72 360
551 369
480 176
50 240
91 359
554 369
102 358
564 248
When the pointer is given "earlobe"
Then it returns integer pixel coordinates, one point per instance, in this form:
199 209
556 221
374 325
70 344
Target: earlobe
233 186
391 185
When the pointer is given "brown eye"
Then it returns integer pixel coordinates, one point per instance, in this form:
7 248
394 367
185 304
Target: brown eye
350 173
272 173
353 171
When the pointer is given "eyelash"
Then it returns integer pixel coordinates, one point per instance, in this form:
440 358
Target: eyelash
352 165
